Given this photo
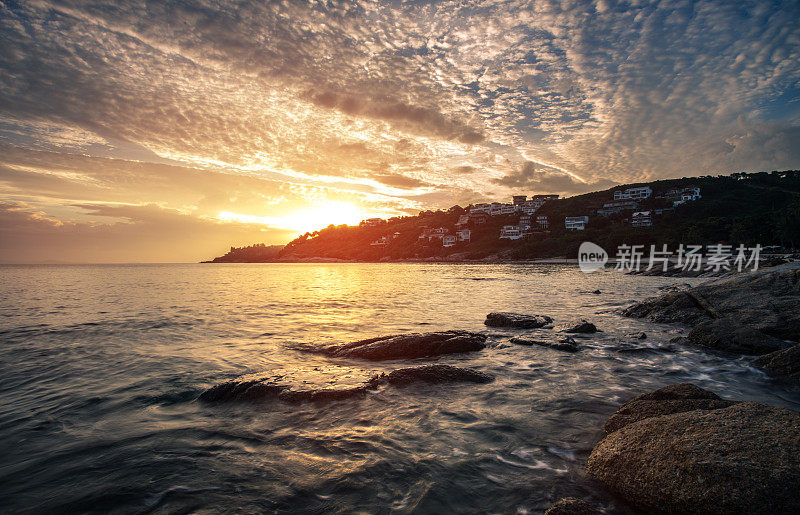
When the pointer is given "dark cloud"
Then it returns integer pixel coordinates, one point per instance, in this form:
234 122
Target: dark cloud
545 180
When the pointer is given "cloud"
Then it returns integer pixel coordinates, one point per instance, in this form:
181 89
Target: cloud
548 181
203 105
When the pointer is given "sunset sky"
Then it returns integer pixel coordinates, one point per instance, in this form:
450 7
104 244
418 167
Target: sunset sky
168 131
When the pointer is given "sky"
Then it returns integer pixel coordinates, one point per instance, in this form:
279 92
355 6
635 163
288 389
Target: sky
168 131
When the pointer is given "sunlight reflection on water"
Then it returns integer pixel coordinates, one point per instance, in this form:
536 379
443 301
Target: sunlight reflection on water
102 365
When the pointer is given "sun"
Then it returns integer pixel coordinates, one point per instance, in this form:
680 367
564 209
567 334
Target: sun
306 220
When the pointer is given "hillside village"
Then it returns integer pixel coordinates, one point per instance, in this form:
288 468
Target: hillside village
705 209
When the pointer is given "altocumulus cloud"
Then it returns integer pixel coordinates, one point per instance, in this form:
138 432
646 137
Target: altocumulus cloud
405 105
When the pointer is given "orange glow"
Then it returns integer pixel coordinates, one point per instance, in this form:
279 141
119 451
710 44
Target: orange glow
306 220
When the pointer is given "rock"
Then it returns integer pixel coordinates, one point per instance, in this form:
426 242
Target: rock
407 346
729 335
597 292
251 390
517 320
566 344
783 364
765 301
740 458
665 401
638 336
581 326
572 506
264 389
432 374
254 390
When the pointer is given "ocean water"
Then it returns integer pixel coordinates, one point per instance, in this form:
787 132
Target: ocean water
101 367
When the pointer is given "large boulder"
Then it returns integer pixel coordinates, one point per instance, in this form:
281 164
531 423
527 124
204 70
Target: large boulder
764 301
517 320
407 346
783 364
729 335
665 401
739 457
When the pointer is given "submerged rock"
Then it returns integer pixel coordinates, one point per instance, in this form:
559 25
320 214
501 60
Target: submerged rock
701 454
407 346
572 506
765 301
265 389
582 326
517 320
783 364
729 335
566 344
432 374
253 390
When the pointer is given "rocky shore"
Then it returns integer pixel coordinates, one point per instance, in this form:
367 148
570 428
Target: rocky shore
678 449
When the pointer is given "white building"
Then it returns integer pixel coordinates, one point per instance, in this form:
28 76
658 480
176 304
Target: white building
642 219
464 235
633 193
576 223
371 222
543 222
380 242
510 232
448 240
481 208
612 208
681 196
462 220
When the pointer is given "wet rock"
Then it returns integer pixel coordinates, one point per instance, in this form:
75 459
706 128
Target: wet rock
638 336
265 389
407 346
252 390
783 364
566 344
765 301
739 458
729 335
572 506
517 320
432 374
665 401
597 292
581 326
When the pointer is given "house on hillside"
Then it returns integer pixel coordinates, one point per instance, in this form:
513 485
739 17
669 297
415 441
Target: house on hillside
380 242
576 223
372 222
510 232
543 222
525 221
680 196
642 192
642 219
462 220
612 208
464 235
478 218
448 240
519 199
480 208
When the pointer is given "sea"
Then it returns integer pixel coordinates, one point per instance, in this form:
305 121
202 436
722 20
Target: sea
101 367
